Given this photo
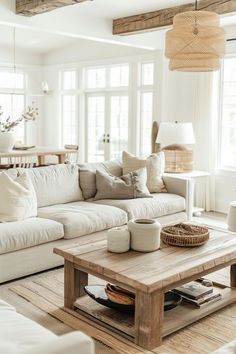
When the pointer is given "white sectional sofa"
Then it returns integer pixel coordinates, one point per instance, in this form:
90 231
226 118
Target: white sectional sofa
64 217
20 335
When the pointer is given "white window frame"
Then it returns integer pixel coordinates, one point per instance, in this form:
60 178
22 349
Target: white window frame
231 171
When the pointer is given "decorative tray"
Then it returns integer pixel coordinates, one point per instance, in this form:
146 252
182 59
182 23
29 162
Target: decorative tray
98 293
184 235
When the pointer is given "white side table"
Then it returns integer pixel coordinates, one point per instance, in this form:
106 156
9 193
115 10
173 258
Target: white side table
201 189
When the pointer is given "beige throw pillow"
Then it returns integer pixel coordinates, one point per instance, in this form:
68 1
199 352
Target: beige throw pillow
18 199
155 165
132 185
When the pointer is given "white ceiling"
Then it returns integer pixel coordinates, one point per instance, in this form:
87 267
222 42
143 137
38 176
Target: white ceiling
88 21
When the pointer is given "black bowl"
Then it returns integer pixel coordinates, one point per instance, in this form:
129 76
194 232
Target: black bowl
97 293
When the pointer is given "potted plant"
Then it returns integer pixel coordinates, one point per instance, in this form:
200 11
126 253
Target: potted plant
7 126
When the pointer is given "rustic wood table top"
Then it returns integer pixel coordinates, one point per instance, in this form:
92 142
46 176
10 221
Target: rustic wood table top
161 269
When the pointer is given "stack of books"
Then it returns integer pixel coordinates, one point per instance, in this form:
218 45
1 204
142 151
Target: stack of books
198 295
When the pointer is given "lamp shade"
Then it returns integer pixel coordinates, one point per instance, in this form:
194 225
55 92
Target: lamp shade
175 133
196 42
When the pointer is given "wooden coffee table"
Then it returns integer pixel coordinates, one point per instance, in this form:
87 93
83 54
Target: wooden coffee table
149 276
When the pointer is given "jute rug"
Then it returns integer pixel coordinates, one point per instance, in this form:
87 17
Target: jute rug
45 291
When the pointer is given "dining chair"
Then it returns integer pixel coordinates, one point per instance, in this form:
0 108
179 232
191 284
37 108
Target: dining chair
72 157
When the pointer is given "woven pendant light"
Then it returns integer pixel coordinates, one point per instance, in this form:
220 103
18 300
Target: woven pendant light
196 42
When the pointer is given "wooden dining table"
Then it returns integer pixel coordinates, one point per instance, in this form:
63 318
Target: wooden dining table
40 153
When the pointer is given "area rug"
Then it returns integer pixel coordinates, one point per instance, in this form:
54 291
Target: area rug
45 291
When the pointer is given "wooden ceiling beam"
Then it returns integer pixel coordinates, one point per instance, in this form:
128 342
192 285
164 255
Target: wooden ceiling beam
34 7
162 18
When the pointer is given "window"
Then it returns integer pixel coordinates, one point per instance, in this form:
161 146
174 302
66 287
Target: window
69 119
69 109
96 78
228 118
107 111
119 76
147 74
12 99
146 107
69 80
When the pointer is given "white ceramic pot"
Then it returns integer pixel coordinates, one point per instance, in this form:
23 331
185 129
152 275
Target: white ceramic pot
145 234
118 240
7 141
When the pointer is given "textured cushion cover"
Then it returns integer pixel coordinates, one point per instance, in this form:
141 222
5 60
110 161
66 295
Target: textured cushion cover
56 184
17 198
87 175
161 204
27 233
155 165
132 185
83 218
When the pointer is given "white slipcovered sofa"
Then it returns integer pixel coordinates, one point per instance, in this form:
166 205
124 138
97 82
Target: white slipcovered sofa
20 335
64 216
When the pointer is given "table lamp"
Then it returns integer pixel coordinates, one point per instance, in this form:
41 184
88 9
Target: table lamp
175 139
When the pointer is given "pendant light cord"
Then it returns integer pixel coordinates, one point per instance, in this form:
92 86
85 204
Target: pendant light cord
196 5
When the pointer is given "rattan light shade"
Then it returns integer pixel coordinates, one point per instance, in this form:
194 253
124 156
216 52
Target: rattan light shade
196 42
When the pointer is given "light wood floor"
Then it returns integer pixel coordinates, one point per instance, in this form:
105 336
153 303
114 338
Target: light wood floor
203 334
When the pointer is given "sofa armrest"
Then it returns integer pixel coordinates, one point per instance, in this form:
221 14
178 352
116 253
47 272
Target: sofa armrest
183 187
72 343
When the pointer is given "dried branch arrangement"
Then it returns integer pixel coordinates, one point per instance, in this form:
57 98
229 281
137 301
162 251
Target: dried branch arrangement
7 125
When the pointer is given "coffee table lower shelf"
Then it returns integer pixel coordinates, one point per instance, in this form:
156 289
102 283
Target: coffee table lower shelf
175 319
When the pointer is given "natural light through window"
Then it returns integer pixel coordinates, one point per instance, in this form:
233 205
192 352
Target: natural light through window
228 117
12 100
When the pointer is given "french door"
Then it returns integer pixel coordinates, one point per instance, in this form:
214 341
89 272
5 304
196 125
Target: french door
107 119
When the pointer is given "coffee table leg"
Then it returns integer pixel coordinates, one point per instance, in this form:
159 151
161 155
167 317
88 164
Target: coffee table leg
74 282
233 276
149 314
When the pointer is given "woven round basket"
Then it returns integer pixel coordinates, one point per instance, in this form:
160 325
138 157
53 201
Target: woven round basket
184 235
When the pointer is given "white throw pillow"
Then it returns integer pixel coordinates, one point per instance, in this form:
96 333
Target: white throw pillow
18 199
155 165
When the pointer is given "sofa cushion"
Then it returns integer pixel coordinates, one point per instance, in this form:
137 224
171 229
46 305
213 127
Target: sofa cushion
18 198
132 185
83 218
27 233
20 331
56 184
161 204
87 175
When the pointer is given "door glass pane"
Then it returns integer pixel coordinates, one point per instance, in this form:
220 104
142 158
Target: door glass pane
69 119
96 128
12 106
145 123
119 125
119 76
